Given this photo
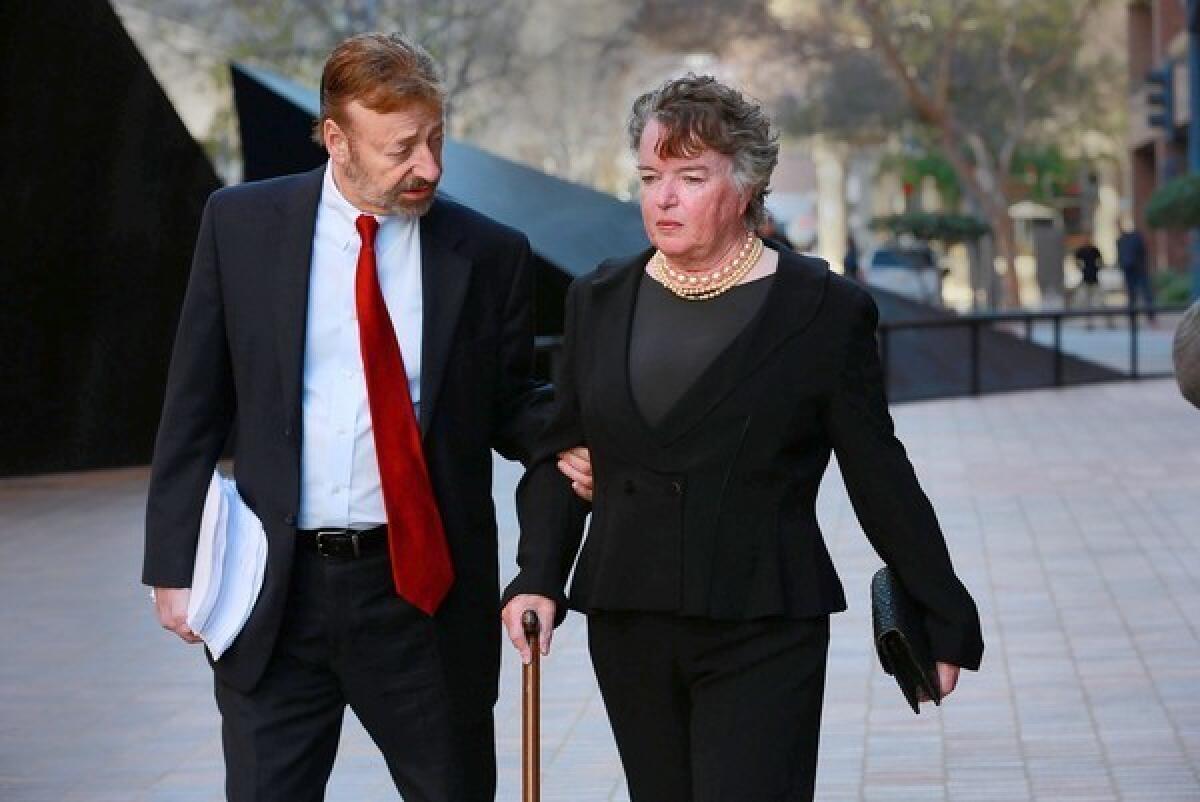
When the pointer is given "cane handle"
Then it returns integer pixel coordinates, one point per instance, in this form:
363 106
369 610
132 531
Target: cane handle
531 713
531 625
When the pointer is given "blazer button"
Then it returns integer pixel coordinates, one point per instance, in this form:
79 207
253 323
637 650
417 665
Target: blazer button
287 433
289 519
629 487
677 488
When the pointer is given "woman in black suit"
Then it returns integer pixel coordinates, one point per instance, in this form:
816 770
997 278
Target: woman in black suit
710 379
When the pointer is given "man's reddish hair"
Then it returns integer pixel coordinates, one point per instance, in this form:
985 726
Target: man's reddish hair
384 72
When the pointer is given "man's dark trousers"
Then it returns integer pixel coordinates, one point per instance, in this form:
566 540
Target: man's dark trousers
346 639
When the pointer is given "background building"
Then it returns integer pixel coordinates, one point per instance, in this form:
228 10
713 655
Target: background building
1158 80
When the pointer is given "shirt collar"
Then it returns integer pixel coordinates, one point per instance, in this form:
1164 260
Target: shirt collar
346 213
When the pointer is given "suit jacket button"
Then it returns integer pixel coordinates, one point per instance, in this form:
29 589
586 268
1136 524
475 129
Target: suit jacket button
289 519
287 433
629 487
676 488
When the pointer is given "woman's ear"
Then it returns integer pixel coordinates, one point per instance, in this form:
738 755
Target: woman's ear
746 197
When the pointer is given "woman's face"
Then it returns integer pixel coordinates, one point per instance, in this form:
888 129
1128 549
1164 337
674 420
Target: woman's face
690 207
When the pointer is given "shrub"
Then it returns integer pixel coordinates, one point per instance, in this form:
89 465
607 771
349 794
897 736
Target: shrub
949 229
1172 288
1175 204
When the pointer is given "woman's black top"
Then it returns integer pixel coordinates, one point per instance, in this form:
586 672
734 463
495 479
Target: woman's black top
674 340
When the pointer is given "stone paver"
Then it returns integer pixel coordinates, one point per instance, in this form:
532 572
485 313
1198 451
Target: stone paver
1070 514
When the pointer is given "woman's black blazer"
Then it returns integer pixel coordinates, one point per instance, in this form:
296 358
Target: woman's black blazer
712 511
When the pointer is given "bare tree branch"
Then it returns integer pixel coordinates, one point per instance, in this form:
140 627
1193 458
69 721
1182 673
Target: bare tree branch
1063 54
926 107
941 91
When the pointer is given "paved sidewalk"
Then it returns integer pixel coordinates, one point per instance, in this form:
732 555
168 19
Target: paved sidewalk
1071 515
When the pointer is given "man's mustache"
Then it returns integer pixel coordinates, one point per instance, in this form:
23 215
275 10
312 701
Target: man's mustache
415 185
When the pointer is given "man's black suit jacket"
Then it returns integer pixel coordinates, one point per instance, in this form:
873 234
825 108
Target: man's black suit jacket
712 512
238 360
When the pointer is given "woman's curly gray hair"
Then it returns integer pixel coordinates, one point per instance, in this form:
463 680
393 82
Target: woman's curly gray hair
699 113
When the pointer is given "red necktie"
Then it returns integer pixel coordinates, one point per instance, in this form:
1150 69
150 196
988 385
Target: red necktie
421 565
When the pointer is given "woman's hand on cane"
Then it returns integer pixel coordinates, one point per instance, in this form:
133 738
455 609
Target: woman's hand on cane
511 616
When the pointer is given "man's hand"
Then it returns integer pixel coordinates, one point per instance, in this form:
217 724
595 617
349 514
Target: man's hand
511 616
576 464
171 605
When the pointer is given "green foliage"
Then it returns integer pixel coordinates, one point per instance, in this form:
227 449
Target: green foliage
1175 204
1045 171
1172 288
912 170
948 229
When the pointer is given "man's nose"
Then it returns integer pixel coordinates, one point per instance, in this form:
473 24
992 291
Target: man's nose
427 164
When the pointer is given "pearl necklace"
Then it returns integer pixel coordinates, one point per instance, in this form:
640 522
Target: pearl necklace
703 286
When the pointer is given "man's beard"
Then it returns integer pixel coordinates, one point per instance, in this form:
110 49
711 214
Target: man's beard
391 199
395 202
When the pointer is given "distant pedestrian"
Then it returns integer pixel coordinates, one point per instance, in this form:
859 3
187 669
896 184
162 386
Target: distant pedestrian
1131 256
1090 261
850 261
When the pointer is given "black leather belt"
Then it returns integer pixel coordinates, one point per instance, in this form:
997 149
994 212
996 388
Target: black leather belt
343 543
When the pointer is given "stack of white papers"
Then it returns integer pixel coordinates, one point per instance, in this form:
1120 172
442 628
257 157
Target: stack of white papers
231 559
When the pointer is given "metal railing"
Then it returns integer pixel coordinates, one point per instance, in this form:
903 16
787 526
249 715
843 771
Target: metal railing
975 324
548 347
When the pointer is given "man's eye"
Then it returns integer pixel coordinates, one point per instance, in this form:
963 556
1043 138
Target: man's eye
647 179
693 179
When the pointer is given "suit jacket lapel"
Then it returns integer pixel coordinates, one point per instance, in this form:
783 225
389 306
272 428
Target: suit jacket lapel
611 324
445 276
298 213
791 306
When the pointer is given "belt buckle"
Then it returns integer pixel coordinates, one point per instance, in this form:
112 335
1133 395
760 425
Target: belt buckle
325 542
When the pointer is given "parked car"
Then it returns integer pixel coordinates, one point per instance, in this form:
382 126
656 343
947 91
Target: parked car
908 270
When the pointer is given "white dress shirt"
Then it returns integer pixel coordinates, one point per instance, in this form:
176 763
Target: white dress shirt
339 475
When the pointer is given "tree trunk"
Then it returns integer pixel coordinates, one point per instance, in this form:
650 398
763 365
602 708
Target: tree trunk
992 201
1006 245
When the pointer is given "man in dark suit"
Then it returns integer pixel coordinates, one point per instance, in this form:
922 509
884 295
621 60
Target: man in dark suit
1133 259
372 343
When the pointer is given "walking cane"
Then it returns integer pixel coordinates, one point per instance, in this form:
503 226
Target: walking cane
531 713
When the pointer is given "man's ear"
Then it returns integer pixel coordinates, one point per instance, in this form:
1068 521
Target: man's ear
336 143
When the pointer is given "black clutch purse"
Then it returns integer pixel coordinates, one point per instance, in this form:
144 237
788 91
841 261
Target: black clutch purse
901 640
